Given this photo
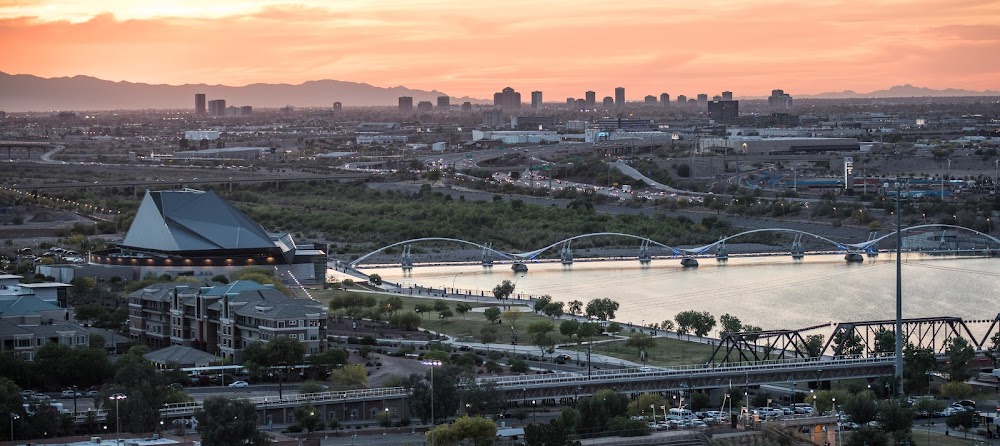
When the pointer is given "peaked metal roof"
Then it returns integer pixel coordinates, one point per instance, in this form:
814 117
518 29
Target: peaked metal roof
192 220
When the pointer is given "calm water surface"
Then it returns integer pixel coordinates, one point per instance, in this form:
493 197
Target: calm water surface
771 292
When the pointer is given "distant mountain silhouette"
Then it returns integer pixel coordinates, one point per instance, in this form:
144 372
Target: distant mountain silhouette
901 91
23 92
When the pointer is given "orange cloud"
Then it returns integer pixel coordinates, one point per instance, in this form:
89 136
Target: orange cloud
475 48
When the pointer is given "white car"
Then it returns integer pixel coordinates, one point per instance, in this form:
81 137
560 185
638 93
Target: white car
239 384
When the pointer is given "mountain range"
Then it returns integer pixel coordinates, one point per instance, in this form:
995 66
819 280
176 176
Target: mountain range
24 92
901 91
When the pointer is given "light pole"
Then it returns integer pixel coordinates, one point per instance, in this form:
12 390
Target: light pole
534 410
13 416
453 281
118 419
652 409
898 375
432 364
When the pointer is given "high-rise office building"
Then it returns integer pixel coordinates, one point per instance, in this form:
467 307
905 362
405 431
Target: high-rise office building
444 102
702 101
507 99
779 100
649 100
405 103
581 104
727 95
571 102
620 96
425 106
217 107
609 102
466 106
664 99
590 99
246 110
199 104
682 100
337 106
536 100
724 112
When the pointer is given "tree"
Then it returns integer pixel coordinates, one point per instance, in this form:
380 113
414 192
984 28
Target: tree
729 324
384 418
445 393
408 321
492 314
504 290
885 343
488 334
512 316
306 418
587 330
613 328
993 350
575 307
848 344
640 342
351 376
867 436
482 399
311 387
321 363
697 322
956 390
540 337
962 420
553 310
917 364
474 430
699 401
569 327
463 308
391 304
959 354
375 279
440 305
896 419
541 302
422 309
667 325
812 346
597 410
229 422
640 406
444 315
861 408
602 309
554 433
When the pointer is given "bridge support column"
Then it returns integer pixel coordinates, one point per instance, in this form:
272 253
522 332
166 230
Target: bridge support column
519 267
566 254
689 262
644 255
721 252
487 259
407 260
854 257
797 251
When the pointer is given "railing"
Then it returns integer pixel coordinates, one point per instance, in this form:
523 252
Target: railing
295 399
682 371
82 416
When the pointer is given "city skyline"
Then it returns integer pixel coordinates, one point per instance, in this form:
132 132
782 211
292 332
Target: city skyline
464 50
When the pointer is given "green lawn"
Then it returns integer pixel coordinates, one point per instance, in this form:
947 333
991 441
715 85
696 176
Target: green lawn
667 352
936 439
468 326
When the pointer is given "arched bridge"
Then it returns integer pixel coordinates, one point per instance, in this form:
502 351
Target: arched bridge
853 249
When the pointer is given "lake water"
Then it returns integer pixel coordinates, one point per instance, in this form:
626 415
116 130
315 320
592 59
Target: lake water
771 292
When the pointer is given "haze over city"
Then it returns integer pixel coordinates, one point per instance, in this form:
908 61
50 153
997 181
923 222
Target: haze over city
473 49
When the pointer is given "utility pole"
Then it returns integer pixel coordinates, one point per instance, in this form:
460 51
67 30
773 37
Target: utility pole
899 293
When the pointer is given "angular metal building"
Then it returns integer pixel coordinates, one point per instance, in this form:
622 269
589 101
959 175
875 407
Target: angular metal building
194 232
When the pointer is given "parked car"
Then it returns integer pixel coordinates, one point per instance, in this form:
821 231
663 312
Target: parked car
239 385
70 394
92 394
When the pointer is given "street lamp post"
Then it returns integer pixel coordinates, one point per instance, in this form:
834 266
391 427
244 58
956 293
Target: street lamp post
652 409
13 416
432 364
118 423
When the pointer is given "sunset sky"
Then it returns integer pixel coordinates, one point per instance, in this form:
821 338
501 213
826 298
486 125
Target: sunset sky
477 47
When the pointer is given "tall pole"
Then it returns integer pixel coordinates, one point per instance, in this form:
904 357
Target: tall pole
118 422
899 293
432 364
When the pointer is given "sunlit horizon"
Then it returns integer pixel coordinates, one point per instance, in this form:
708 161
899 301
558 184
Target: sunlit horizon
561 48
